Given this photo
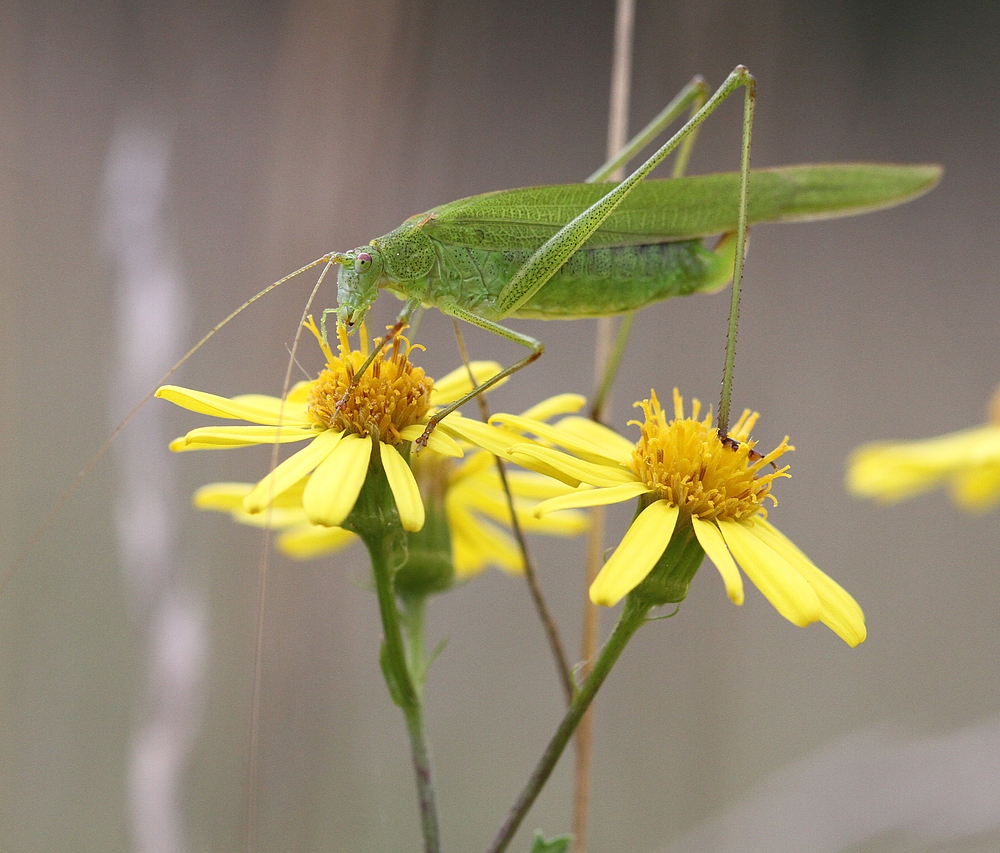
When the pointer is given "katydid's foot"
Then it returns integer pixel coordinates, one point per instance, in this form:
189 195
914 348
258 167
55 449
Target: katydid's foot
421 442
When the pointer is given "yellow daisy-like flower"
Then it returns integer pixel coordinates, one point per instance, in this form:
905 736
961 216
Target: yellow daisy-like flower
967 462
388 407
474 504
684 473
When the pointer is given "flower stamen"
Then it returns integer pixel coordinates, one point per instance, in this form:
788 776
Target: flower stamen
392 395
687 463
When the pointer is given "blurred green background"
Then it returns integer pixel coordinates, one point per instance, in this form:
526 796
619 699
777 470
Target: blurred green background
164 161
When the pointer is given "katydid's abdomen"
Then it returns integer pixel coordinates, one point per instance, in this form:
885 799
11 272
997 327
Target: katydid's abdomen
592 283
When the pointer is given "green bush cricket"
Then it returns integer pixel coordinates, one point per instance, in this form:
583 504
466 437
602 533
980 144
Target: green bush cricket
589 250
585 250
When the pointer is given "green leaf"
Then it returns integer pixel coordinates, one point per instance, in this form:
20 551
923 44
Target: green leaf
554 845
389 673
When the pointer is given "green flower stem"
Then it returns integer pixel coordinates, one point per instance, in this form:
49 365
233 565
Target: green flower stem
632 618
376 520
413 625
402 684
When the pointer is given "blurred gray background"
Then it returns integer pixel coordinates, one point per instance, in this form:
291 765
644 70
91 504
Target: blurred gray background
163 161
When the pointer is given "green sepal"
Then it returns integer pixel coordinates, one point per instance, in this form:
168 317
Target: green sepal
375 517
559 844
670 579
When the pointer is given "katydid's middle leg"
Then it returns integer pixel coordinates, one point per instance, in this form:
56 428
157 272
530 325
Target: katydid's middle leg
693 97
536 347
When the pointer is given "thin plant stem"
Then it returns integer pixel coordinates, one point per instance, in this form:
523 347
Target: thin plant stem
530 575
402 685
632 618
606 360
414 608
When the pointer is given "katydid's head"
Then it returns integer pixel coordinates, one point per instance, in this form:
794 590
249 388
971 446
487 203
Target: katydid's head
357 283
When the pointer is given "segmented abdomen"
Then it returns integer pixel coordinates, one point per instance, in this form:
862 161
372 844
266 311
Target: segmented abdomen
592 283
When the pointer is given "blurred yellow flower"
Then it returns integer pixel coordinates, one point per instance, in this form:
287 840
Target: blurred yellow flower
685 474
967 462
475 507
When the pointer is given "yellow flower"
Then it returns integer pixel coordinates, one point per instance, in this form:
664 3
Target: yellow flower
968 462
475 507
388 408
684 474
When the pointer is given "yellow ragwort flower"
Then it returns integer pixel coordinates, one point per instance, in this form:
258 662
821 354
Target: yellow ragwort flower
683 472
389 407
967 462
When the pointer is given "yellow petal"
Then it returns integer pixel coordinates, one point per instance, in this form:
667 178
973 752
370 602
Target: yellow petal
613 445
714 545
265 403
300 392
528 484
893 471
584 497
292 470
477 544
404 488
592 451
568 468
978 489
487 498
223 497
456 384
643 544
495 440
786 589
308 541
222 407
228 498
560 404
334 487
231 437
439 441
841 613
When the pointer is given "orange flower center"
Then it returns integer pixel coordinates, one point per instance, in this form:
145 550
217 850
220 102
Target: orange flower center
389 396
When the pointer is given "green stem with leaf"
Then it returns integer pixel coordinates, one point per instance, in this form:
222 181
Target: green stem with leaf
376 521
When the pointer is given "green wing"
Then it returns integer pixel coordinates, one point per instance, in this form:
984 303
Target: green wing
663 211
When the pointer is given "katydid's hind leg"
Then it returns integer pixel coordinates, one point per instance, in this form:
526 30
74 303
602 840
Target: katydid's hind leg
741 248
692 97
536 347
543 263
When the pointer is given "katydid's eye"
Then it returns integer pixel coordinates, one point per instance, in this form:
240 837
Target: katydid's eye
363 261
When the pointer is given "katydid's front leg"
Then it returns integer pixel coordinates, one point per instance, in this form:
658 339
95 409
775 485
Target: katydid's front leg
536 347
401 322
